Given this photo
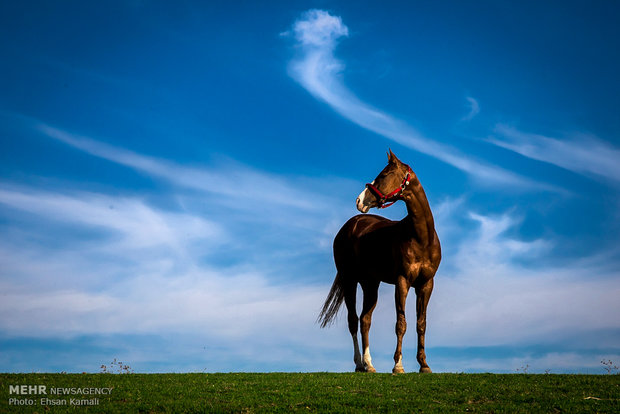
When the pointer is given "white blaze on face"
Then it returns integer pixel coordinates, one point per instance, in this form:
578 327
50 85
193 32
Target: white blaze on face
363 200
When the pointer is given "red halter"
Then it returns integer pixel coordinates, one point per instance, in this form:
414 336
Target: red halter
381 198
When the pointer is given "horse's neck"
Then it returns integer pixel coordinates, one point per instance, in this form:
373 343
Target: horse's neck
419 218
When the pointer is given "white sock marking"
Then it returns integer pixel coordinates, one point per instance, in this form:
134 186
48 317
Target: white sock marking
367 358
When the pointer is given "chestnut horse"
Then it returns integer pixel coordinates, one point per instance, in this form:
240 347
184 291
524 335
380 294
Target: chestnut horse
371 249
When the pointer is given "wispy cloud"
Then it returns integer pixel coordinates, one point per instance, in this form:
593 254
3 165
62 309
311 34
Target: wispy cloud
581 154
136 224
319 71
474 109
234 180
319 29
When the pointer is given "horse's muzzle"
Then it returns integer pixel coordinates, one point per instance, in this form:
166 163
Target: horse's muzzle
362 202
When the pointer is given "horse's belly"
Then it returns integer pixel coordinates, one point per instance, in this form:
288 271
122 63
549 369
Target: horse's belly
389 278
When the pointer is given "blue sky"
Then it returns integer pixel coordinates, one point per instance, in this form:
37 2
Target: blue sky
172 177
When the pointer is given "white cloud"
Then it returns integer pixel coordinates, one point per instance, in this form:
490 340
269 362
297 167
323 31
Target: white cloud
492 246
474 109
497 295
319 72
136 224
228 306
581 154
319 28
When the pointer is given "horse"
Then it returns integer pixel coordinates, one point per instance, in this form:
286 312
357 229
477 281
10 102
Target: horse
370 249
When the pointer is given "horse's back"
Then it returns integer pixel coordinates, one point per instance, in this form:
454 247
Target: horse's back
362 224
352 241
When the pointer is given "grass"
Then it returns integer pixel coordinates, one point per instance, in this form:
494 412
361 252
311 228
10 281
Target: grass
324 392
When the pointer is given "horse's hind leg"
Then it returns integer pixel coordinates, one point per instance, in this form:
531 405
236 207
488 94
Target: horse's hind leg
400 299
371 293
423 294
349 300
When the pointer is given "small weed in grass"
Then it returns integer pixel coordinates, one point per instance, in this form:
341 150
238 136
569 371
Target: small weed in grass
116 367
610 367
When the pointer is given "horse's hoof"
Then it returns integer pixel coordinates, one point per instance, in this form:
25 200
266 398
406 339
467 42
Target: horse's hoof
360 369
371 369
425 370
398 370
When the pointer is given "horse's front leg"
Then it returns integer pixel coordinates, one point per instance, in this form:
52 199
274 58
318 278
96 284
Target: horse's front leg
423 294
400 298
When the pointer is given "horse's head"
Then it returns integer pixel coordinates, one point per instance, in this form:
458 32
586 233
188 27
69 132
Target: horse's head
387 187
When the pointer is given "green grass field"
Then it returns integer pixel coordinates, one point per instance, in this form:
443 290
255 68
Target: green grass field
312 392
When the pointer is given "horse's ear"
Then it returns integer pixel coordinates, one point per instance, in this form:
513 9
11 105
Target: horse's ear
392 159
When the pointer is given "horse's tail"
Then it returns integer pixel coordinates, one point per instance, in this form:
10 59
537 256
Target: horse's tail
332 302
